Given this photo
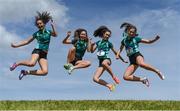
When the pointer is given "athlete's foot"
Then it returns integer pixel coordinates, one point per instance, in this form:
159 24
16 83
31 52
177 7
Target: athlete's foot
66 66
145 81
13 67
70 70
22 74
117 81
161 75
112 87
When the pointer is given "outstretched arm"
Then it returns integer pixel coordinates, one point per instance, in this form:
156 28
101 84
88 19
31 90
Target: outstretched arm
67 40
150 41
23 43
89 45
54 32
93 47
118 56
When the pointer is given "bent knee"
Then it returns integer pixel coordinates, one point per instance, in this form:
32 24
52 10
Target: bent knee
125 77
88 63
31 64
44 72
95 79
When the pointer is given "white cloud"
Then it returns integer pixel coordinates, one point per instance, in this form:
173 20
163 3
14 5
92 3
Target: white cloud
20 11
7 37
164 21
13 11
149 22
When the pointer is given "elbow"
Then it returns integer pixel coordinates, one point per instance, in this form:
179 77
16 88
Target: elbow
149 42
64 42
92 51
26 42
55 34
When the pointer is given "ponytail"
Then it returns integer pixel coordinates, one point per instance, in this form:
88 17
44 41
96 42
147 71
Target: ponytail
127 27
100 31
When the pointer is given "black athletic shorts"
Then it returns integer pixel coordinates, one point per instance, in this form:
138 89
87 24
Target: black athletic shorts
75 60
42 54
133 57
101 60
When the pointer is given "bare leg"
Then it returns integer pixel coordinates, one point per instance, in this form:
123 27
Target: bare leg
29 63
106 64
97 75
44 68
141 63
82 64
128 75
71 54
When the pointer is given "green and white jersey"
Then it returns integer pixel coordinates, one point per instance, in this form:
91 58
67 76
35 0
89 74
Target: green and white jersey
81 46
103 47
43 38
131 45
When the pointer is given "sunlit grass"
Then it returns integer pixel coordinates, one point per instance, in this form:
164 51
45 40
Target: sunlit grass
90 105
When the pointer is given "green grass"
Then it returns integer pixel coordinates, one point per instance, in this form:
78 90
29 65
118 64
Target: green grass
90 105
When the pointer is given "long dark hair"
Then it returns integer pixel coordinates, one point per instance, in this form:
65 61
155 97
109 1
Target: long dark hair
128 26
44 16
77 33
100 31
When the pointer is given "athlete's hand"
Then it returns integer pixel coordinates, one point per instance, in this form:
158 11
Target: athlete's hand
69 33
157 37
117 56
13 45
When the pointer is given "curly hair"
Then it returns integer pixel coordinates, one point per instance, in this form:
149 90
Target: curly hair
128 26
100 31
44 16
77 33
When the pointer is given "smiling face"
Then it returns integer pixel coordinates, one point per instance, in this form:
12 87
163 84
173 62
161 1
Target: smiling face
106 35
83 35
131 32
40 24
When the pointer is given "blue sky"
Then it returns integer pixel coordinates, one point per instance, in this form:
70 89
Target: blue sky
151 18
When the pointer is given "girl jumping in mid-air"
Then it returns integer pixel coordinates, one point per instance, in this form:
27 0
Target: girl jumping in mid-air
81 43
131 42
104 47
39 54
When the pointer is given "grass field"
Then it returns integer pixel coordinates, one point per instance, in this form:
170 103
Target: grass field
90 105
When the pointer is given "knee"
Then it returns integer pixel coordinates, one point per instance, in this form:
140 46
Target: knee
44 72
31 64
95 79
88 63
125 77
